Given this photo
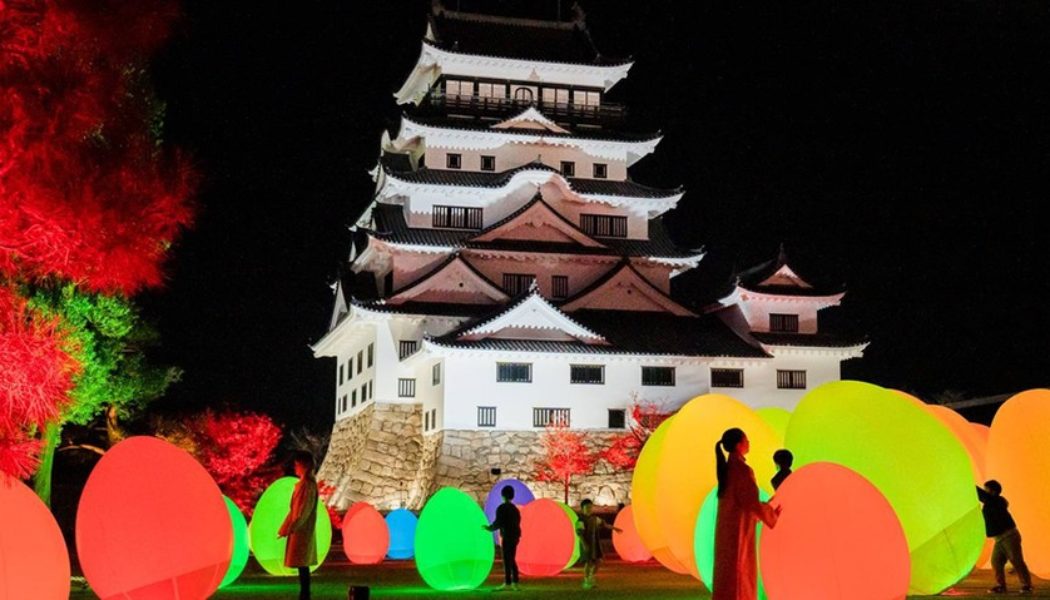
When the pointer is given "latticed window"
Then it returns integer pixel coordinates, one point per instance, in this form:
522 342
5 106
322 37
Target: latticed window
604 225
791 380
658 376
407 348
488 163
783 323
517 283
568 168
542 417
731 378
454 161
586 374
514 372
559 286
456 217
406 387
486 416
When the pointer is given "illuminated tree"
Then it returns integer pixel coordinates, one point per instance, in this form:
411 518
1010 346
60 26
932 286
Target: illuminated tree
565 454
623 452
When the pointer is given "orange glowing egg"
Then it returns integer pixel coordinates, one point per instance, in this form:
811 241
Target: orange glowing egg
366 538
1019 461
644 494
837 538
152 524
548 539
627 543
34 562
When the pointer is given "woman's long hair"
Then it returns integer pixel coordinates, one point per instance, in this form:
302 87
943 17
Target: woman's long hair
728 443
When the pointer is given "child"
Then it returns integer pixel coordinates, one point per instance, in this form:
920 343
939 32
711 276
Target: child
783 460
508 521
298 527
588 528
1000 525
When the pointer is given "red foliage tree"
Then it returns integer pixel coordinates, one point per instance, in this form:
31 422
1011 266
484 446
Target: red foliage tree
36 375
624 450
86 193
565 454
237 449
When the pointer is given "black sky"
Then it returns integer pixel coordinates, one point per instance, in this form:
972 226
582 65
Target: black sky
900 147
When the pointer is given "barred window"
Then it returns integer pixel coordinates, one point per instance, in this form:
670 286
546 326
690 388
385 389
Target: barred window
559 286
371 354
514 372
586 374
486 416
542 417
731 378
604 225
601 170
791 380
407 348
617 418
456 217
453 161
517 283
783 323
568 168
658 376
436 374
406 387
488 163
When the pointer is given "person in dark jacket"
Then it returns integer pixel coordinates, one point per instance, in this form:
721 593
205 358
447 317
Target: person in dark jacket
783 459
508 522
998 524
588 528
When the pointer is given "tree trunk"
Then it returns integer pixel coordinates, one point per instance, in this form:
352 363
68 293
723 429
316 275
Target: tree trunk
42 480
567 491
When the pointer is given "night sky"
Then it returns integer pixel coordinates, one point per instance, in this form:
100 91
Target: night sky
902 148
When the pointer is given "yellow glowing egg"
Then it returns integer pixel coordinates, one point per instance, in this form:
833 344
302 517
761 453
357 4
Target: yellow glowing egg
686 470
912 458
964 431
644 494
1019 460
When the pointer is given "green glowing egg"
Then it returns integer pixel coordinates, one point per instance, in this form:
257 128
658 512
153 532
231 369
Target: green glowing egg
240 544
912 458
453 551
777 418
574 519
270 512
704 539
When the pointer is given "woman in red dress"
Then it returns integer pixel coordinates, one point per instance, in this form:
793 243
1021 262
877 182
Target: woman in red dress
739 510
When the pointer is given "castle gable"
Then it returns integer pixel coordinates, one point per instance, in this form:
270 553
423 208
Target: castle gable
625 289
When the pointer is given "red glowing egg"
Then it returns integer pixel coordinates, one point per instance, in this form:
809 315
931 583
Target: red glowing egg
548 539
366 538
152 524
34 562
837 538
627 543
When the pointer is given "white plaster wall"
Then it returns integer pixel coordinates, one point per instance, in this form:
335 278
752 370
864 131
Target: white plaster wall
514 155
757 311
760 380
354 380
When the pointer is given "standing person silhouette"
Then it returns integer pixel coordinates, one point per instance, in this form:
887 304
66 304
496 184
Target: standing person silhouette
508 522
1000 526
588 529
739 509
783 459
298 526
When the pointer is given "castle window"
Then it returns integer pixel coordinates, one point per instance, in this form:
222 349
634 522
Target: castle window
436 374
371 354
731 378
426 421
783 323
360 361
514 372
559 286
364 393
581 98
604 225
488 163
459 88
456 217
486 416
663 376
407 348
542 417
617 418
587 374
340 374
371 392
517 283
568 168
601 171
492 90
523 94
433 418
406 387
791 380
454 161
353 398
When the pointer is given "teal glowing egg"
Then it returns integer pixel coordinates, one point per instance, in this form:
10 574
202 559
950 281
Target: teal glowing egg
453 550
270 512
704 539
402 525
240 544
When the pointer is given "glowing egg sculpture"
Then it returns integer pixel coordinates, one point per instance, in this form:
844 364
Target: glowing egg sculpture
964 431
704 539
686 470
269 515
453 552
152 524
366 538
522 496
777 418
644 494
240 544
1018 459
402 526
837 539
914 461
573 519
34 561
548 538
627 543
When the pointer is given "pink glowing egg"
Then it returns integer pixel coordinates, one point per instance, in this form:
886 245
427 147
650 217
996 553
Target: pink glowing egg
152 524
34 562
837 538
627 543
366 538
548 539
